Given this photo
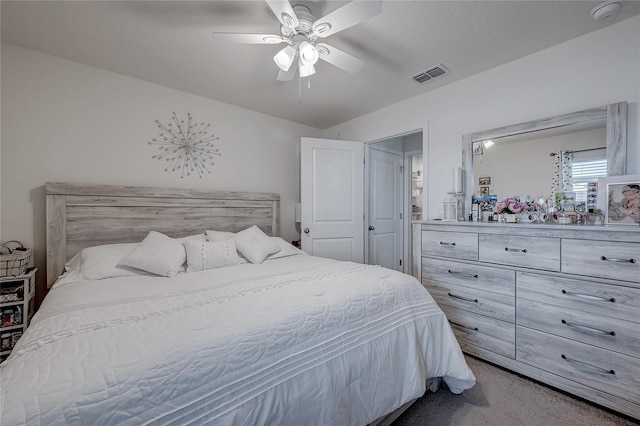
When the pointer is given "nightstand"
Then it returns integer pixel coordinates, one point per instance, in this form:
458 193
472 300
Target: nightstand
16 309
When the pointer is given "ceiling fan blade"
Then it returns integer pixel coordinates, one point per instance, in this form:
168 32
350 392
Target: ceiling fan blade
284 12
249 38
347 16
340 59
288 75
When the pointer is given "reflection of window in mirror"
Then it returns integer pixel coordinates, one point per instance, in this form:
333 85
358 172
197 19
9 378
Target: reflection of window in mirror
586 167
522 164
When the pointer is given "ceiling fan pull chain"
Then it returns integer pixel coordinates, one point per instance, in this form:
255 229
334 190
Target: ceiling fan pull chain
299 90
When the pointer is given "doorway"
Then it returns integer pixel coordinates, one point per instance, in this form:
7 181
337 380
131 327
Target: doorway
394 184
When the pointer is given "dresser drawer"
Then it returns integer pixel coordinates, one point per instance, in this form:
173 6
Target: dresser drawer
474 300
487 278
528 252
457 245
478 330
598 368
469 287
581 295
604 259
604 332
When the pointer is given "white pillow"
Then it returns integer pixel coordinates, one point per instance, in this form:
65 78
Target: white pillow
197 237
203 255
286 249
219 235
254 244
224 235
100 262
73 264
158 254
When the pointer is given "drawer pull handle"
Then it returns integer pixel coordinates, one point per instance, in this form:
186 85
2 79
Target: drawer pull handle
466 299
617 259
589 296
587 328
515 250
462 274
463 327
587 365
444 243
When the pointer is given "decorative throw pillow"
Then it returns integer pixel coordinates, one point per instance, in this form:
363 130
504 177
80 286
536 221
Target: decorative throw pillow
100 262
158 254
254 244
203 255
286 249
224 235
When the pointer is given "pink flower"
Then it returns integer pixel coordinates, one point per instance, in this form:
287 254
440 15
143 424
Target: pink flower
510 205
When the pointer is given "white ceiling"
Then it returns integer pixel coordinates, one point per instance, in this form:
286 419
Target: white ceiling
171 43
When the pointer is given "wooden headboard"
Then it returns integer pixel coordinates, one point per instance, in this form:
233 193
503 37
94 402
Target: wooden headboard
80 216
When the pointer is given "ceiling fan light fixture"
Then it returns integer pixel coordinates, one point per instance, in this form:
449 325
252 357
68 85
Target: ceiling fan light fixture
308 53
285 57
306 70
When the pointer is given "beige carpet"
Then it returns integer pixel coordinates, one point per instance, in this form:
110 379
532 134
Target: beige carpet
502 398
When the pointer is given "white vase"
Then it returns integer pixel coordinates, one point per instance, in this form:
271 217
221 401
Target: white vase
511 217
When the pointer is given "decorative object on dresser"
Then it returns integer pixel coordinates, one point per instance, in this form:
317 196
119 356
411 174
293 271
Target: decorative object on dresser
16 308
558 304
510 209
186 147
450 208
621 200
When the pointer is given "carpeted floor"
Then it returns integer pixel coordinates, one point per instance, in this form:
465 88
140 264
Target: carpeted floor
502 398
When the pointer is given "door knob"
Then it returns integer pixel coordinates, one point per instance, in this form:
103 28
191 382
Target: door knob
306 230
371 228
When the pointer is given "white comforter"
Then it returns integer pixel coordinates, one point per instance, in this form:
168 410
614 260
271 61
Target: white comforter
295 341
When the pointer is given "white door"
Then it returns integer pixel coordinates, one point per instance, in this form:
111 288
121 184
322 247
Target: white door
332 198
385 246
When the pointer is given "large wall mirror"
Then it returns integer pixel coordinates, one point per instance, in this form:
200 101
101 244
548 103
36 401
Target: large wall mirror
530 158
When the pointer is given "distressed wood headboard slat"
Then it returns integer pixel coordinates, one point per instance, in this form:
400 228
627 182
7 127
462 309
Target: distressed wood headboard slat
80 216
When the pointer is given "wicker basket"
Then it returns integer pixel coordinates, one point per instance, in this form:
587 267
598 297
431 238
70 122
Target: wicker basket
14 264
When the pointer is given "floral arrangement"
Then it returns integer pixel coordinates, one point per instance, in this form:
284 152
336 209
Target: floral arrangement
510 205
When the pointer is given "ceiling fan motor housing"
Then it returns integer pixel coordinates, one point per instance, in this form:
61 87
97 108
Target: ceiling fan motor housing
306 20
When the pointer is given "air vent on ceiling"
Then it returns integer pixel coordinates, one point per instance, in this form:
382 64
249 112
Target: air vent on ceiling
430 74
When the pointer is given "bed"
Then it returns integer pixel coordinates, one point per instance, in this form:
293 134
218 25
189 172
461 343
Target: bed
289 339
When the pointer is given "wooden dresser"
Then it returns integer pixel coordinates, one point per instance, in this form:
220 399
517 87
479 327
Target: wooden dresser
559 304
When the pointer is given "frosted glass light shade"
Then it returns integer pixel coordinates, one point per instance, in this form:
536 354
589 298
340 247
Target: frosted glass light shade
306 70
308 53
285 57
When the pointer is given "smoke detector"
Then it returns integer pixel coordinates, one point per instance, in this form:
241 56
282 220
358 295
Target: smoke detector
605 10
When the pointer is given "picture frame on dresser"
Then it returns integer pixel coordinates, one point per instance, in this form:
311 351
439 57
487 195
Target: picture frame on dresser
614 204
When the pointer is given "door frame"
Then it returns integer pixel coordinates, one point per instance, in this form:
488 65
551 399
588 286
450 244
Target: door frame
424 128
408 258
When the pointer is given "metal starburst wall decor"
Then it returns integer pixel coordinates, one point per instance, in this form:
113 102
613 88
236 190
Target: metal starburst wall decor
187 147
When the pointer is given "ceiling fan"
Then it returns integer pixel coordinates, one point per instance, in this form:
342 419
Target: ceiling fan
301 31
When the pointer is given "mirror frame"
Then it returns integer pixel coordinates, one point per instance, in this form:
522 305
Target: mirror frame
616 117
